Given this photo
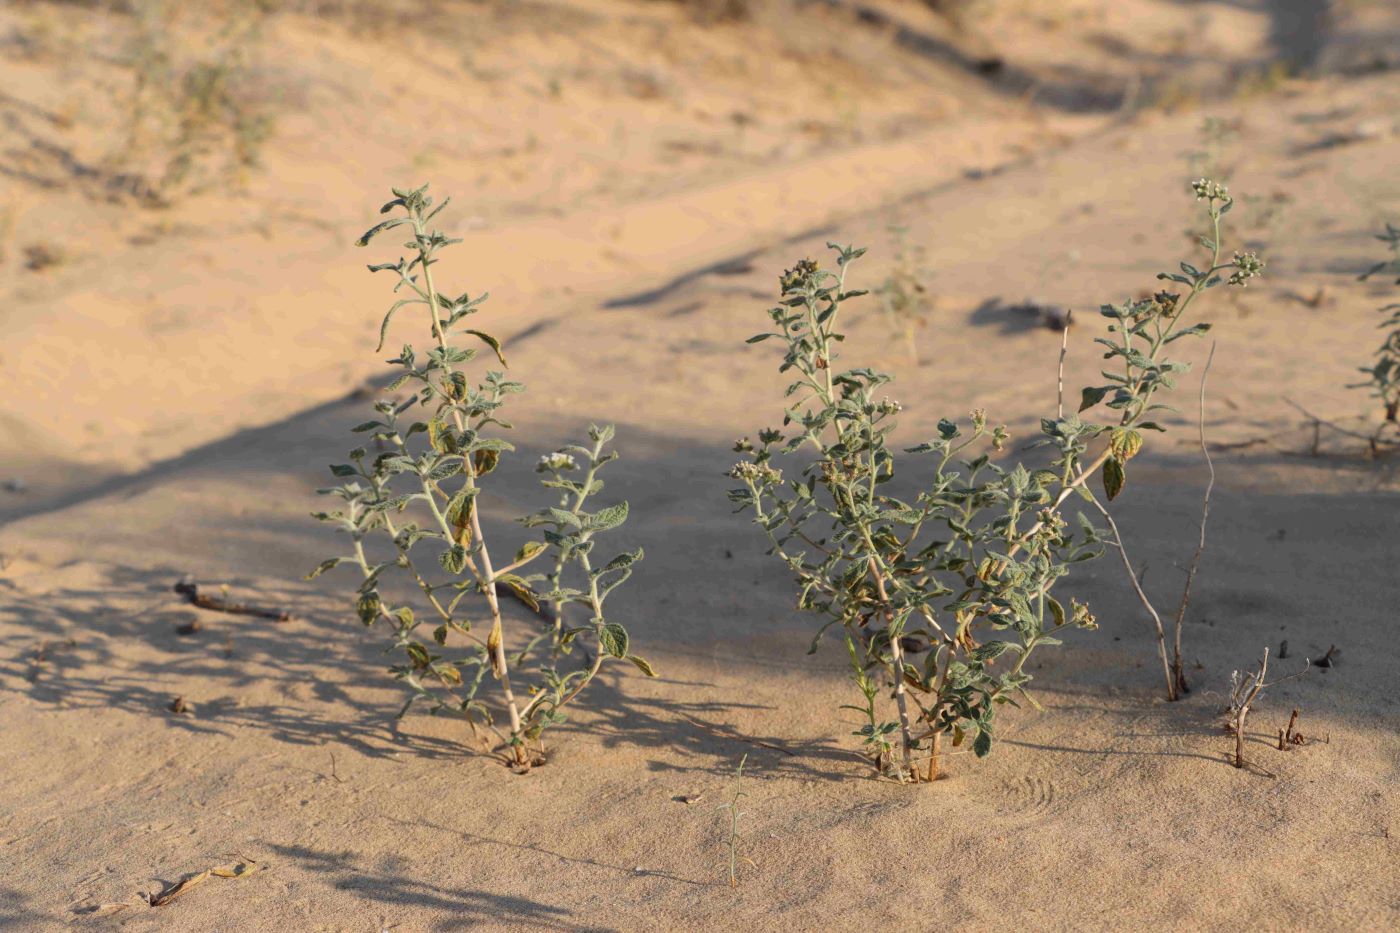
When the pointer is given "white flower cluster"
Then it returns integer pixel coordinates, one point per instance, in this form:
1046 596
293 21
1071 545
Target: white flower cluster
1207 190
556 462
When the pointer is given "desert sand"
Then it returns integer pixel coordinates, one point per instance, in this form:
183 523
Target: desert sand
629 181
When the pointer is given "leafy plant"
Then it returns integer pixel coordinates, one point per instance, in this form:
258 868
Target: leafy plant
1175 669
421 490
906 576
1383 378
961 571
904 299
1139 336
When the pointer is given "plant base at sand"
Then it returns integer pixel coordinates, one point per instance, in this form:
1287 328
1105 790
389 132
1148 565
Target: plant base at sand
417 501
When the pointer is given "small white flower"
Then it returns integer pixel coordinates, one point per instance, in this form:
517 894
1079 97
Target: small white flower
556 462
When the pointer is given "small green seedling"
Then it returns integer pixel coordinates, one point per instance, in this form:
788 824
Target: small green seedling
731 839
422 491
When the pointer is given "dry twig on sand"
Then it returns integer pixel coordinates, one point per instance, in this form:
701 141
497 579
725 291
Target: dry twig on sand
1244 690
239 869
190 590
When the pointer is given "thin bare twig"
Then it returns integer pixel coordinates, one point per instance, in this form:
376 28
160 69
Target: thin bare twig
1244 690
1178 673
1142 598
1373 440
240 869
1060 376
190 590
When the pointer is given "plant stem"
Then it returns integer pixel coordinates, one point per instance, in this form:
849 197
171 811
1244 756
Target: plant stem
499 664
897 653
1178 666
1244 695
595 602
734 815
557 607
1142 597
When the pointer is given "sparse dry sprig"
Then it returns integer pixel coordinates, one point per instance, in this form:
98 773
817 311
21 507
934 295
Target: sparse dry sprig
423 489
1245 689
193 116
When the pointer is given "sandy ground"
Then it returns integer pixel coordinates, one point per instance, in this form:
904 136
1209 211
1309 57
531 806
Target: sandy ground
173 392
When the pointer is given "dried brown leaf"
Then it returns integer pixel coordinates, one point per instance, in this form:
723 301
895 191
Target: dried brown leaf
240 869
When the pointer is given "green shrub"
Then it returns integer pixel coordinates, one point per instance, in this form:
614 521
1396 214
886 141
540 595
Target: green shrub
961 572
423 488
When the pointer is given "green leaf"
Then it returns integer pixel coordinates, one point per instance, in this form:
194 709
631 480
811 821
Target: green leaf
1056 610
609 518
380 228
367 607
991 650
982 745
454 559
343 469
613 639
1113 478
623 561
491 342
323 567
1091 396
520 588
643 664
444 470
528 550
389 316
1191 331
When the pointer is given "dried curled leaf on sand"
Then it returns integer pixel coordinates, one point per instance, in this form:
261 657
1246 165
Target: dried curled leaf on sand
239 869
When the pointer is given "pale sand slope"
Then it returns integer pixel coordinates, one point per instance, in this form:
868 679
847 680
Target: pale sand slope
594 146
1112 809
